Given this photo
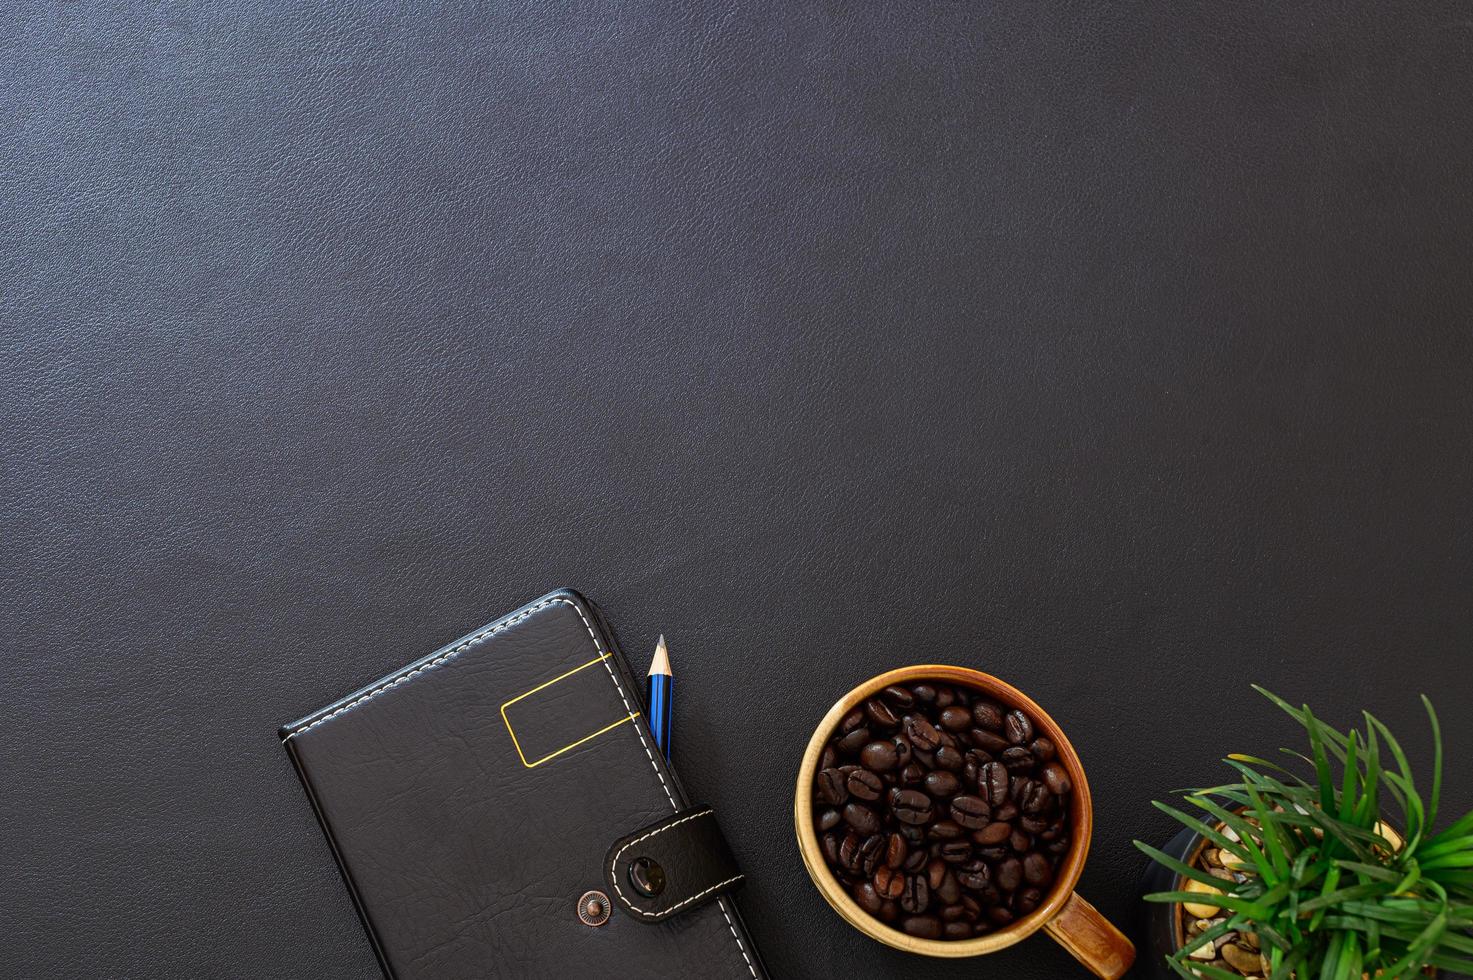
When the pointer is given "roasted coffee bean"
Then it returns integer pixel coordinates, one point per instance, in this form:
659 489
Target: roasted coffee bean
851 721
942 785
830 845
862 818
988 715
956 851
1018 728
880 714
903 751
917 894
913 773
896 851
1034 825
1042 749
1009 874
935 871
868 898
993 834
1038 801
849 851
976 878
831 787
1008 811
948 758
956 719
865 785
911 807
1020 842
922 734
956 930
851 744
1029 899
1018 759
1056 779
828 819
976 751
1059 846
921 926
1037 869
924 693
988 742
945 697
871 853
914 836
970 769
948 891
972 812
889 883
994 779
971 907
898 697
889 912
999 915
829 758
879 756
955 912
996 852
915 861
926 760
945 830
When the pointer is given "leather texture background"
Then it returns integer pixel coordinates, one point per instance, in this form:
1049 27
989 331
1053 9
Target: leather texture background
469 864
1120 350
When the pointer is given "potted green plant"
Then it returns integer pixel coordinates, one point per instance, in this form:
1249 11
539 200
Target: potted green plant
1296 871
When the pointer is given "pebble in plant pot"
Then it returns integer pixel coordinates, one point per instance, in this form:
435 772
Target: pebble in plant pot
1299 874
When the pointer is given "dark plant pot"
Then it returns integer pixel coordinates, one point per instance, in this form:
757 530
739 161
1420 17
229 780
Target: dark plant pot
1157 928
1157 939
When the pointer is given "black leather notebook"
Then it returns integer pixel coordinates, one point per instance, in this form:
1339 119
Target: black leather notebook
497 806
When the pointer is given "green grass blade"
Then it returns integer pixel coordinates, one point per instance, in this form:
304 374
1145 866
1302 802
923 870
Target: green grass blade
1350 784
1321 761
1436 797
1341 895
1412 803
1185 870
1235 848
1233 903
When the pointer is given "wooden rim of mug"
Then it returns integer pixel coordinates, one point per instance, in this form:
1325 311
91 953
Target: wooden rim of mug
1081 816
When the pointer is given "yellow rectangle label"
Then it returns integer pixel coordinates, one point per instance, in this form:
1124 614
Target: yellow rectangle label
539 733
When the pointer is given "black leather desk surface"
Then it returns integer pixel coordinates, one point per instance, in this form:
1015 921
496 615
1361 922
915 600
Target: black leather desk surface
1122 350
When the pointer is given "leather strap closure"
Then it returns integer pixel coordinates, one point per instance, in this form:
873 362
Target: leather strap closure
664 869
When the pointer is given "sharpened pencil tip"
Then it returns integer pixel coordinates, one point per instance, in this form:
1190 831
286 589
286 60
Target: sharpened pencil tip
661 663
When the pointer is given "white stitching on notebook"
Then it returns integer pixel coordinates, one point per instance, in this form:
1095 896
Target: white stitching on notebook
619 687
721 904
447 655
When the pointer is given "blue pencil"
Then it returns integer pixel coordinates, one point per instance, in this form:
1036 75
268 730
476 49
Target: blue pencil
661 695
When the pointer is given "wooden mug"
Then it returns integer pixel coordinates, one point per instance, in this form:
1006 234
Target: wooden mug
1068 918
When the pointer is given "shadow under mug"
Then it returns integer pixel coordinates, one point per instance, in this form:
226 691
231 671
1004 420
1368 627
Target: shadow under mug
1065 916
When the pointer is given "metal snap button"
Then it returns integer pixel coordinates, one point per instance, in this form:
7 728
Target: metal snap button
647 877
594 908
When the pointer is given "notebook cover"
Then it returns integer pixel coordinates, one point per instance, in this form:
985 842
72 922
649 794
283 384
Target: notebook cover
470 798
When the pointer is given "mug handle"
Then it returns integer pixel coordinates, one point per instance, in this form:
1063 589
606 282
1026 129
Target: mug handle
1084 932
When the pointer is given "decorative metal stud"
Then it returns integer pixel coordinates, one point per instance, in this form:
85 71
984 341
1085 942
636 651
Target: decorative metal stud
594 908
